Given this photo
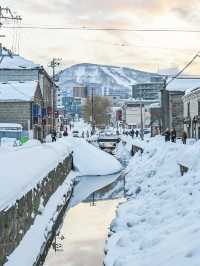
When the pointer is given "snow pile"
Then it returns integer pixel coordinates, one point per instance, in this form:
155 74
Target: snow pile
159 223
33 161
89 160
22 168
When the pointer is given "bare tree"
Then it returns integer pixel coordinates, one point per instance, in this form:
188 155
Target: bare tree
101 110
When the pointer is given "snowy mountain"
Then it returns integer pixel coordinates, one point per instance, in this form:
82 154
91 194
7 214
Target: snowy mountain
102 77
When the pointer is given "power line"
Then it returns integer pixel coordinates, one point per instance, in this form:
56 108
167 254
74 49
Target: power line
183 69
85 28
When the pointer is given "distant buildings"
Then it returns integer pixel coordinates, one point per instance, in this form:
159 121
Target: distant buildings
132 113
147 91
80 92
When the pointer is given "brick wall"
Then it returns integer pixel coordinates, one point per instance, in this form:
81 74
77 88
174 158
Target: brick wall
15 112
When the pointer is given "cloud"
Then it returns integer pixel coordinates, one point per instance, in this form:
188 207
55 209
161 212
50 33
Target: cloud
104 47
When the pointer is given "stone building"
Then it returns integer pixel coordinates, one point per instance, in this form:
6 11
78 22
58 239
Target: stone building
16 68
191 103
22 103
172 110
172 103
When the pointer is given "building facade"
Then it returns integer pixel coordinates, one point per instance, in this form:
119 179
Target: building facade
22 103
16 68
132 114
191 103
148 91
80 92
172 110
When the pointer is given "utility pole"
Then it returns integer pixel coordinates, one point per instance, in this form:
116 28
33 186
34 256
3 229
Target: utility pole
141 116
6 14
93 121
55 62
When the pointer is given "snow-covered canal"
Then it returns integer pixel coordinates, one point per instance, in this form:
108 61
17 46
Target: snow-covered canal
85 230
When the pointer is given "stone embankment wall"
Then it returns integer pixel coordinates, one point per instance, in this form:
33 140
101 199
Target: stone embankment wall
16 221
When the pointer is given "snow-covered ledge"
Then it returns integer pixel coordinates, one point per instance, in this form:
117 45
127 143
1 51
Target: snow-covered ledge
29 177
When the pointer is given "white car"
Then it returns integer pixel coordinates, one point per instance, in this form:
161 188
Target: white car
75 133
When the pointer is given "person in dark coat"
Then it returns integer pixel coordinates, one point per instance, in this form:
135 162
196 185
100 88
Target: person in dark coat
184 137
137 133
65 133
53 135
132 133
167 135
173 135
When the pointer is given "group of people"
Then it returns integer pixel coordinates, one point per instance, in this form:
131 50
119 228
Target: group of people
54 134
170 135
132 133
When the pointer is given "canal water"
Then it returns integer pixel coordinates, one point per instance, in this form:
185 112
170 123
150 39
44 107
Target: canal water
85 230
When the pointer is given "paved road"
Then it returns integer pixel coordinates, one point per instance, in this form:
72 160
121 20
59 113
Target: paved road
85 229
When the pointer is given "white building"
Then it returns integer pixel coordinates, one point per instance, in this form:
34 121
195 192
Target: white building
132 113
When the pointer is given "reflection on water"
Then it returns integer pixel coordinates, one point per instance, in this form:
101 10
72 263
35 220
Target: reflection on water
85 230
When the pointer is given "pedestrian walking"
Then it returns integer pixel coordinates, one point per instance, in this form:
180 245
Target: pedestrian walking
167 135
137 133
53 135
173 135
184 137
61 127
132 133
65 133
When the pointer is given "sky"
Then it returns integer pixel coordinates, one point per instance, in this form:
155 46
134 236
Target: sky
150 51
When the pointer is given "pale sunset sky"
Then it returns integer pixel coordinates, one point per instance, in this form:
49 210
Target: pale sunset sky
142 50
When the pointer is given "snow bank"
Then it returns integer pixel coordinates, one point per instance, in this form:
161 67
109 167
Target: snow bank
159 223
22 168
37 235
89 160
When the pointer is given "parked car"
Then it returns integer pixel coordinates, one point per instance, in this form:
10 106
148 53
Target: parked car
75 133
147 131
108 143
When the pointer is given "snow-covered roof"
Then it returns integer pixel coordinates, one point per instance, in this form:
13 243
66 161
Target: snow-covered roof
183 84
15 90
9 60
